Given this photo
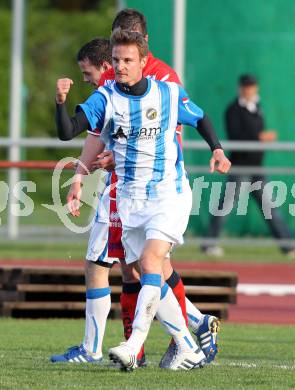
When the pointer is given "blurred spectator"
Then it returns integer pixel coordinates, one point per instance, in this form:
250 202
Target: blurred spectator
244 122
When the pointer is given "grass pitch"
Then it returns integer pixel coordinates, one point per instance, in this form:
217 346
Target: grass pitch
251 357
188 252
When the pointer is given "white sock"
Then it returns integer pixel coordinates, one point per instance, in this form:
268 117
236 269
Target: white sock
147 304
170 315
98 305
195 317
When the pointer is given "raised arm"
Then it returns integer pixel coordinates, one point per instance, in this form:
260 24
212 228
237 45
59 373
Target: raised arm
67 127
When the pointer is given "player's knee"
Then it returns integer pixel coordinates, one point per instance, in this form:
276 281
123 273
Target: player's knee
150 263
129 274
96 276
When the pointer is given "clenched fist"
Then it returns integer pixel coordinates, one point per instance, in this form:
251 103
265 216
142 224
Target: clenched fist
63 87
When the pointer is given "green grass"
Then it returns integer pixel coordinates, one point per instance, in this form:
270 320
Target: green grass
75 250
251 357
48 251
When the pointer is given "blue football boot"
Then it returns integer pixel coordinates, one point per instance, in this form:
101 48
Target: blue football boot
76 354
207 336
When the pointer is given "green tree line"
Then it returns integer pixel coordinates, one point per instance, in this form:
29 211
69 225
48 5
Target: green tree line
52 37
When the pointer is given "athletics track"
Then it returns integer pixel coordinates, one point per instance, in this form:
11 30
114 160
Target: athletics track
266 292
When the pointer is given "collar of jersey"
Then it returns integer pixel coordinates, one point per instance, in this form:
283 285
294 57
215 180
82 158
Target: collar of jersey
133 96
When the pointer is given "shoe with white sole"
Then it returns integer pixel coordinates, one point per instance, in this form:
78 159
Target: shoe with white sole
76 354
124 356
207 336
188 360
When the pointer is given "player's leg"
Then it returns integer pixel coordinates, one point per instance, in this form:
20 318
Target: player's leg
128 299
204 327
130 277
169 311
174 224
130 289
156 246
192 315
174 281
98 305
151 259
148 300
98 299
186 353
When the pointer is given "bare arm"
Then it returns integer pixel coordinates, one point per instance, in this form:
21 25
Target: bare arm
92 147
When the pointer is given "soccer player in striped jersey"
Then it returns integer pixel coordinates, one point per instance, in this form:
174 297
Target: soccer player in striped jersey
93 59
137 117
205 327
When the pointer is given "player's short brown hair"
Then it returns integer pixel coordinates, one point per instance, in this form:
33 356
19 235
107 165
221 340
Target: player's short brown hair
124 37
130 19
97 51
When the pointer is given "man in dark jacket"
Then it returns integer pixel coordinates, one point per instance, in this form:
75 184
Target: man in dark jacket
244 122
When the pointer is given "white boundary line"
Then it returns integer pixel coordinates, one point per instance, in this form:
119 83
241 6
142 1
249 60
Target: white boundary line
271 289
254 365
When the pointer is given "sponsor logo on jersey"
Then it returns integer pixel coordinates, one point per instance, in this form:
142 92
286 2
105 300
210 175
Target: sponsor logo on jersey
143 133
151 113
185 100
119 133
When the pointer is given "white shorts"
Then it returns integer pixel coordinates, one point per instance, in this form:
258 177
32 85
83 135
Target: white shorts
97 250
103 207
164 219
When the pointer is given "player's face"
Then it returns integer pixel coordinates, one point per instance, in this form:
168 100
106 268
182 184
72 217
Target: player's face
127 64
249 92
91 73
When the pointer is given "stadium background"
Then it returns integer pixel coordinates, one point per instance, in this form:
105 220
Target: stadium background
224 40
235 38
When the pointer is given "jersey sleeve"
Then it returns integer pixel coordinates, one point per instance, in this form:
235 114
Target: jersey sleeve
94 108
188 112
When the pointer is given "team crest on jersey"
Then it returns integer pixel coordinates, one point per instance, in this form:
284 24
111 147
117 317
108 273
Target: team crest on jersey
151 113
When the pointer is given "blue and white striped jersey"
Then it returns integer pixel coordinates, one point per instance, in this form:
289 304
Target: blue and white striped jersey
141 131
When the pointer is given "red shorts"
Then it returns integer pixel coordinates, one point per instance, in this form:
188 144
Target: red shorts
115 247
